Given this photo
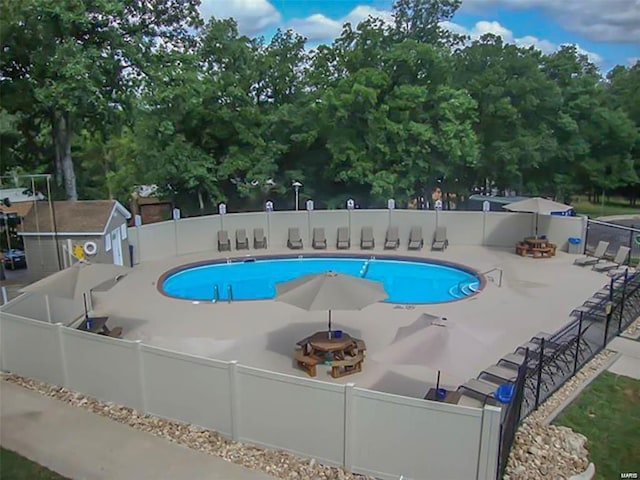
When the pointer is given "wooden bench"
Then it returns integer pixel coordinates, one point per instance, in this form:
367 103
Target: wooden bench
522 249
358 347
340 368
307 362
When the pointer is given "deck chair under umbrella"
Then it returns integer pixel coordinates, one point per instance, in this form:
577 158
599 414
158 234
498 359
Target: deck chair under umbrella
538 206
330 291
76 281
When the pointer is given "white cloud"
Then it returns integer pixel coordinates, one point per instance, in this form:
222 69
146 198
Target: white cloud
599 20
484 27
253 16
319 27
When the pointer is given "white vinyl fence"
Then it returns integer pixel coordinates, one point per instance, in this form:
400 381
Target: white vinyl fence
367 432
492 229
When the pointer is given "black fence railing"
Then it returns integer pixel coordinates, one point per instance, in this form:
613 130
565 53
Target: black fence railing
551 360
623 233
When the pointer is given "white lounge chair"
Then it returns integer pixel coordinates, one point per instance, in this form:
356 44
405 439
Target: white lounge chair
392 240
598 255
242 242
344 241
618 261
294 240
319 240
416 242
367 241
440 241
259 238
224 244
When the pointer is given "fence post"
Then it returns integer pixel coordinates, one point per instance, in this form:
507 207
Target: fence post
539 380
622 300
631 234
575 361
233 390
348 426
141 377
606 325
586 236
63 356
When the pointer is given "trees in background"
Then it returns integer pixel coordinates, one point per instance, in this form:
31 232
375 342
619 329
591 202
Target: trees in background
107 95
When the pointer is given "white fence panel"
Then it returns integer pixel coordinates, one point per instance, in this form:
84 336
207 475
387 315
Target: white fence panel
102 367
198 234
463 228
187 388
156 240
507 229
558 229
302 416
28 305
31 348
330 221
279 224
393 436
378 220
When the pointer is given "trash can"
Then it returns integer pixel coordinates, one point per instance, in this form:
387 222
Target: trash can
575 245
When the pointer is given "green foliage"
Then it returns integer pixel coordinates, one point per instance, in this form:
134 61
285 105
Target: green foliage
109 95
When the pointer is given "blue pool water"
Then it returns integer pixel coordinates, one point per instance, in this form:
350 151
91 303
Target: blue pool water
404 281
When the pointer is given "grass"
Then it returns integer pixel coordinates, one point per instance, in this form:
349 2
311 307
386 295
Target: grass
612 206
15 467
607 412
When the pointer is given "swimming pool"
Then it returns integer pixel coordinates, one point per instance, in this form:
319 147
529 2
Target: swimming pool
406 281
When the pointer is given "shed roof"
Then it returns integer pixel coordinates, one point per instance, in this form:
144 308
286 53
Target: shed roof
83 217
19 208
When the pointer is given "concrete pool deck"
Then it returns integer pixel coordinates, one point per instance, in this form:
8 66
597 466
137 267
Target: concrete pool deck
536 295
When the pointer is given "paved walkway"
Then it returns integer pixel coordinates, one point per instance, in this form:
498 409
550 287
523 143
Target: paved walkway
629 362
82 445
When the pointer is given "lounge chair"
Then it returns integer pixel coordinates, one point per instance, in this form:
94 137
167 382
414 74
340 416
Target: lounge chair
242 242
392 240
620 272
618 261
480 387
224 244
366 240
294 241
259 239
440 241
598 255
416 242
500 372
319 240
344 241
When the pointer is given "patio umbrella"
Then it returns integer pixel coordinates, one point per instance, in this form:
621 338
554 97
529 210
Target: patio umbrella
539 206
450 347
330 291
76 280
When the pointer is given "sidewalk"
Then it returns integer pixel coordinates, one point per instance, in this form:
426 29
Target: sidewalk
82 445
629 362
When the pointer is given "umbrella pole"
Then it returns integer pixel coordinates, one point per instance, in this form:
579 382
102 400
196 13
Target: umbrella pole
329 323
438 381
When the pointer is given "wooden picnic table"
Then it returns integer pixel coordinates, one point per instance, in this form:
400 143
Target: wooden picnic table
536 247
344 353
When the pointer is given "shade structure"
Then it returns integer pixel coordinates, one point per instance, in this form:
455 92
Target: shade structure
539 206
72 282
330 291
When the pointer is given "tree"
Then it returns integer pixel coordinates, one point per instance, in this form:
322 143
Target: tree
74 61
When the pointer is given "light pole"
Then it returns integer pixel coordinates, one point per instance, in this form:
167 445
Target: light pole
296 185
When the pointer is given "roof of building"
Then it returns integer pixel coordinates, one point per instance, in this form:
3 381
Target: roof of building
21 208
16 195
83 217
495 199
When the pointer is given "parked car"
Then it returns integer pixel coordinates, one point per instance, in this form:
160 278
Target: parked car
14 258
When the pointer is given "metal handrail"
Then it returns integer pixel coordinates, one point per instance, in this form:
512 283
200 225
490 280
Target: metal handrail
478 275
229 293
216 293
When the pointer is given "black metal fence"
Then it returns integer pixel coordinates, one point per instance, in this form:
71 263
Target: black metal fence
550 360
622 233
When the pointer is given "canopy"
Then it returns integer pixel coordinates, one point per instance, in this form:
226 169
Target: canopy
330 291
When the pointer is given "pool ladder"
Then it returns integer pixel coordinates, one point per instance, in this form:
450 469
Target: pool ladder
216 293
365 269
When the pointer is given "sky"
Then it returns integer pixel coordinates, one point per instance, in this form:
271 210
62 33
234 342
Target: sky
608 31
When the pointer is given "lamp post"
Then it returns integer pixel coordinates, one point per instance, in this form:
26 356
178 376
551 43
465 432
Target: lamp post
296 185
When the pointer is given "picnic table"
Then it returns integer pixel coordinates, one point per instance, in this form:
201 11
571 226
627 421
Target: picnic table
344 353
536 247
99 325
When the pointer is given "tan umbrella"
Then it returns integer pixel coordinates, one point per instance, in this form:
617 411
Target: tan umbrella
330 291
539 206
75 281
